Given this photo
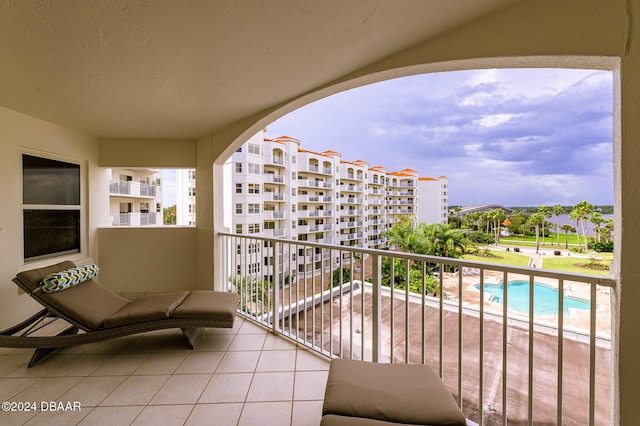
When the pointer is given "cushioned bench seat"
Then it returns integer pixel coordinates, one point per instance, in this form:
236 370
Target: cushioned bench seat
365 393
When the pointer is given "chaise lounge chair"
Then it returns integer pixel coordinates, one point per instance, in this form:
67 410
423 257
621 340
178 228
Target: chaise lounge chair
94 313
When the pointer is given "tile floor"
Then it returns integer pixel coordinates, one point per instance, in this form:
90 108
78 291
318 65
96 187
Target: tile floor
239 376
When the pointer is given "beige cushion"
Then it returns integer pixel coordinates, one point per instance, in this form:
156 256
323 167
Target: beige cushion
333 420
89 303
399 393
208 304
147 308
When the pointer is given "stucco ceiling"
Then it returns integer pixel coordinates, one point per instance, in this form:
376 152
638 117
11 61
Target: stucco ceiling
182 69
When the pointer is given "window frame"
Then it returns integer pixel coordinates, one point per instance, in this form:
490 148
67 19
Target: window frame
80 207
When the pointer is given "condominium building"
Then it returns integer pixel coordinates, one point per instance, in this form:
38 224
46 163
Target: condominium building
282 190
185 197
135 197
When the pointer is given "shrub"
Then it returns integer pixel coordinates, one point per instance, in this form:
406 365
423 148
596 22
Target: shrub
576 249
603 247
557 252
516 249
481 237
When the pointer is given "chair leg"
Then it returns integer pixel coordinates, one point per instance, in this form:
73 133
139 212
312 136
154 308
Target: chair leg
41 353
193 335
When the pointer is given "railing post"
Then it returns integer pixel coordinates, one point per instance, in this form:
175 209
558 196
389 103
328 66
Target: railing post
376 309
276 287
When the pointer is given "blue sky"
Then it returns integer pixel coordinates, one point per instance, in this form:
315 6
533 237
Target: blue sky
516 137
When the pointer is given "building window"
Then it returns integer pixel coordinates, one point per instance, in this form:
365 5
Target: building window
254 228
238 208
238 167
254 188
254 149
239 229
254 208
254 168
50 207
238 188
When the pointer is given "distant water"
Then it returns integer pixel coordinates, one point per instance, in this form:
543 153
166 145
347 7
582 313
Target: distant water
563 219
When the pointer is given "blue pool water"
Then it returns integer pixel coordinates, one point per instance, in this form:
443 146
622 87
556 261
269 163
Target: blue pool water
545 298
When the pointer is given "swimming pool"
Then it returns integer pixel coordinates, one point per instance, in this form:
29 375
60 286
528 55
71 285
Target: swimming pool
545 298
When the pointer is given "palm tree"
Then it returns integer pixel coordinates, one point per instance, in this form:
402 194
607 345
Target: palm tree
544 211
557 211
597 220
568 228
443 241
580 213
536 220
497 215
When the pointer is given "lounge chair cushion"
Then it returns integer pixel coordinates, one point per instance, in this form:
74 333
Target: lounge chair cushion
398 393
333 420
147 308
68 278
205 304
88 304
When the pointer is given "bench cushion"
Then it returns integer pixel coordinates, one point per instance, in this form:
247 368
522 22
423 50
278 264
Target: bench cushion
207 304
398 393
146 308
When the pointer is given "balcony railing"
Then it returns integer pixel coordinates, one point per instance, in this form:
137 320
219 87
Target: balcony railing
136 219
133 189
505 360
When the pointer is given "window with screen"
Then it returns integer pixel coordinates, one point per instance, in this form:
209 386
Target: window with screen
50 207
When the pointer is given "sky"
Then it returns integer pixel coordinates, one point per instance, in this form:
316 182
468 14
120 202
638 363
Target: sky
514 137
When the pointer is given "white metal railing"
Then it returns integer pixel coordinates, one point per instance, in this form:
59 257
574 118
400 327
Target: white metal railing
136 219
534 367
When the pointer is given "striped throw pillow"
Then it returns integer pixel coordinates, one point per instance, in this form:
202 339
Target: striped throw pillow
63 280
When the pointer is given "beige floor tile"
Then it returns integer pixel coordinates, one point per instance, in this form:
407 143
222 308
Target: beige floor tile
214 342
135 390
161 363
59 417
91 391
247 342
266 413
145 344
271 387
277 361
200 362
112 346
9 387
81 365
121 364
249 327
47 389
111 416
174 343
165 415
224 414
226 388
43 368
239 362
306 413
10 363
16 418
310 385
307 361
181 389
274 342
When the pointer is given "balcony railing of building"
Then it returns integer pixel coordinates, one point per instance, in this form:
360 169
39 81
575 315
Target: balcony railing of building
273 178
136 219
133 189
275 160
508 354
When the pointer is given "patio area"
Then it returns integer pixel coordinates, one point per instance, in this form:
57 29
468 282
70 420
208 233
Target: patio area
244 376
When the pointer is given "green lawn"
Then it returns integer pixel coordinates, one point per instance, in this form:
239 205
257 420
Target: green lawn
549 242
502 257
568 264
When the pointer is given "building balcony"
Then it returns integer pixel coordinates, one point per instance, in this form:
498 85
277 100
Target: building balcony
274 161
273 178
273 214
549 363
273 196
